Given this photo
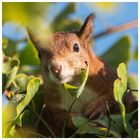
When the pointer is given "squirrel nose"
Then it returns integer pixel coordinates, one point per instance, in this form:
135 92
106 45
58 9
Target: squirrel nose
56 69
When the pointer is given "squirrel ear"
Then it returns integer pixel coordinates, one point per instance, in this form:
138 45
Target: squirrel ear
87 28
34 39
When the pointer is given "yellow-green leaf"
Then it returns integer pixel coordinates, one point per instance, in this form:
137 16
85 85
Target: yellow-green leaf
77 91
32 88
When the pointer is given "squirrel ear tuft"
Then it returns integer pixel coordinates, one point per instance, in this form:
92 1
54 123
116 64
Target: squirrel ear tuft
34 39
87 28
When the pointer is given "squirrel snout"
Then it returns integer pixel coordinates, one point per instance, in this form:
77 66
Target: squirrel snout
56 69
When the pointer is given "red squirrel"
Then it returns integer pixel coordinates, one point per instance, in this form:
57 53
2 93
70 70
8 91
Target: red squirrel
62 57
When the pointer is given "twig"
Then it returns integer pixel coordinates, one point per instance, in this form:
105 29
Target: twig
109 119
72 105
119 28
73 134
66 119
44 122
134 90
47 126
37 121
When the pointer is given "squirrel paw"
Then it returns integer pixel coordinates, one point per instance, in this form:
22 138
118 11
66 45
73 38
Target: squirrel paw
95 109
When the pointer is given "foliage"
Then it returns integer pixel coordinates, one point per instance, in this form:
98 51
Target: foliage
20 89
22 84
77 91
119 124
120 86
22 11
112 56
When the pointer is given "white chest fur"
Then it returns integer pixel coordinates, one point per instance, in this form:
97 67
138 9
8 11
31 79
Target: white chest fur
86 97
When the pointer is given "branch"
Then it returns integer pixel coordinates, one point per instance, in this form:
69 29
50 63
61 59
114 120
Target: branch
132 90
119 28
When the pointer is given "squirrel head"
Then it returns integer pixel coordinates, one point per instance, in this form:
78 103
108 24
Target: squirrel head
64 54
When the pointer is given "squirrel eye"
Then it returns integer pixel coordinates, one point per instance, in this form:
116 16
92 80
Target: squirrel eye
76 47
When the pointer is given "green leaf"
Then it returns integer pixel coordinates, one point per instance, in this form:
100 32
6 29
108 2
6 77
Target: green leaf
117 121
21 80
8 64
77 91
120 86
79 120
10 69
29 56
72 90
136 54
84 76
133 84
17 98
10 48
32 88
12 131
3 82
69 9
11 76
132 81
99 127
8 114
118 53
19 12
85 126
69 25
24 119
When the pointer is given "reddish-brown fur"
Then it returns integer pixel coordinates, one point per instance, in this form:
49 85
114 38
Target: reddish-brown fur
100 80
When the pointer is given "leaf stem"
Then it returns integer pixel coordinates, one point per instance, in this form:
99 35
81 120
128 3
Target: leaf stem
37 121
66 119
45 123
109 119
73 134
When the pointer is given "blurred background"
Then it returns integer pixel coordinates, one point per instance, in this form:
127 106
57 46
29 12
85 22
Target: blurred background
46 18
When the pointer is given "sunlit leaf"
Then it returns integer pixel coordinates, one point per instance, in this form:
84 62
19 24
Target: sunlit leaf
22 80
8 113
11 76
32 88
17 98
72 90
77 91
19 12
10 69
8 64
120 86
